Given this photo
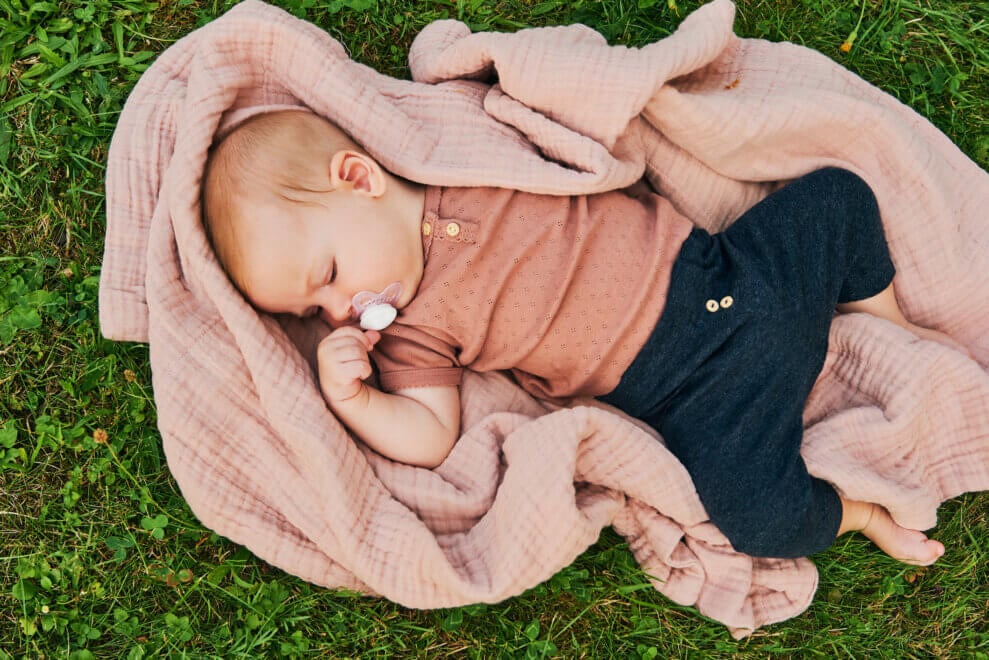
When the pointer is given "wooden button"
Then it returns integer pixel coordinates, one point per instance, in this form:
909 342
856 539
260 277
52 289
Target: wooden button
727 302
452 229
427 229
712 305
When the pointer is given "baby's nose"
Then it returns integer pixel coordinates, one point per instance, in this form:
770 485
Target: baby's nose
335 308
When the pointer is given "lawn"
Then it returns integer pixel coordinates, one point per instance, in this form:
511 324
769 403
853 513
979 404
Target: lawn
100 555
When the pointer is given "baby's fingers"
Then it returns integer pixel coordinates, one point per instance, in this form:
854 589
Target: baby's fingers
340 377
352 333
357 369
336 342
346 352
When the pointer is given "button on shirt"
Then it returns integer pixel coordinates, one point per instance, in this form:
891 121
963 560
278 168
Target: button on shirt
562 291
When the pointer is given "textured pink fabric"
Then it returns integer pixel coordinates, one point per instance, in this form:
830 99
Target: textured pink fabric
713 122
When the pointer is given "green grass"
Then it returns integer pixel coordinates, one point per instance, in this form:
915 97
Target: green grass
100 556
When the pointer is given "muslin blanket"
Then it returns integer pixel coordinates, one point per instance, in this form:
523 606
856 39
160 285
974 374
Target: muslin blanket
713 122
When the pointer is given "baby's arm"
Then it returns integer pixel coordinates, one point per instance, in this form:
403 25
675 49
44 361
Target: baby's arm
417 426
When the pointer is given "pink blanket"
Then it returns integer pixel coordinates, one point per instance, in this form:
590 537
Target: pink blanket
713 122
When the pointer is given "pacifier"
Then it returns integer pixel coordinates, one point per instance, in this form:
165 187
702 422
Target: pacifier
376 311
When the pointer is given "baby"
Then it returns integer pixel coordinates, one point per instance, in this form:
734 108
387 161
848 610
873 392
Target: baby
714 340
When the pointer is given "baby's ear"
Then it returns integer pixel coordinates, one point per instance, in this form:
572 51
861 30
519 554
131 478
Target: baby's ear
352 170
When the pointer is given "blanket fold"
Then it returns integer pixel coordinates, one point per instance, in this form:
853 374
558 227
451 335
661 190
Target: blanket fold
713 122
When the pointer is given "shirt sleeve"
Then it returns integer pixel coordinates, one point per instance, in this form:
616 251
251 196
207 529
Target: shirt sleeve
406 357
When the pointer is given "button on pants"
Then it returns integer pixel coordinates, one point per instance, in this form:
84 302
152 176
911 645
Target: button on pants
726 373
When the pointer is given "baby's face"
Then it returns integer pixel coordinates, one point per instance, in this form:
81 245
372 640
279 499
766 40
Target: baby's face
310 256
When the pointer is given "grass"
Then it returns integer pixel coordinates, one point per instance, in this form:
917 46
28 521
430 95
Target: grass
100 556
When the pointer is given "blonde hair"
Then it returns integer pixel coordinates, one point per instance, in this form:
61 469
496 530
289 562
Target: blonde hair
273 153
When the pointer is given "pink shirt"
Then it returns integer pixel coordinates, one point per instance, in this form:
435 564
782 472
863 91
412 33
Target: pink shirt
562 291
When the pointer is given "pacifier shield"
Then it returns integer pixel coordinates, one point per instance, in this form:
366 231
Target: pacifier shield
376 311
365 299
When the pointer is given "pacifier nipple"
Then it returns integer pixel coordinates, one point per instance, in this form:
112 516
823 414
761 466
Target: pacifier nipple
376 311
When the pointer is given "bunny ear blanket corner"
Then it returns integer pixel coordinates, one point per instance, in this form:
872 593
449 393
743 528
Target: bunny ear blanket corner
712 121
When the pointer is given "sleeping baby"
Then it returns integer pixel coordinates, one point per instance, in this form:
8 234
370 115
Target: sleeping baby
715 340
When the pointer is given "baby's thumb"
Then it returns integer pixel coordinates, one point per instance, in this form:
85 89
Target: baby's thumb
372 337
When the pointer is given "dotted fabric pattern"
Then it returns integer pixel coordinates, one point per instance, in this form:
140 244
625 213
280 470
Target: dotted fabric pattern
563 291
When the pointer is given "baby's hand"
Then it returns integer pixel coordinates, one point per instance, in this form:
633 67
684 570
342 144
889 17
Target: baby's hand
343 362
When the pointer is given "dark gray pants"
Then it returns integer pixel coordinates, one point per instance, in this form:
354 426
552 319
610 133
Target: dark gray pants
725 375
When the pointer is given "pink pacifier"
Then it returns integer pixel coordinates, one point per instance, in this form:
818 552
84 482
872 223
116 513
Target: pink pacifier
376 311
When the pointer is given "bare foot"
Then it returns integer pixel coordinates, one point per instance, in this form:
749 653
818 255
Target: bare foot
907 545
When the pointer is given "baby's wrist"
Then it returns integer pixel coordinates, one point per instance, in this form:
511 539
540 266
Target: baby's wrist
337 399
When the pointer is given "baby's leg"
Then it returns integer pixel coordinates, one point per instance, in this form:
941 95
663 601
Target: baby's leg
736 424
884 305
907 545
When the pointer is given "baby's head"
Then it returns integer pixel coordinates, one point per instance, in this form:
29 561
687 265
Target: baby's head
302 218
270 158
